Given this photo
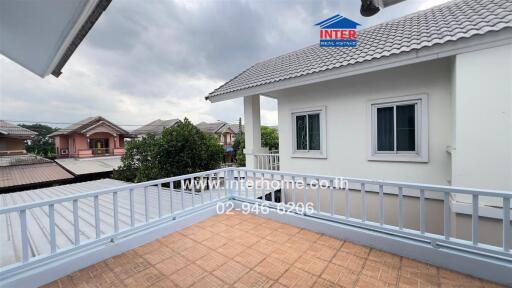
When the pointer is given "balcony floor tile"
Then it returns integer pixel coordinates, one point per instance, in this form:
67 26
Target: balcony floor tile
239 250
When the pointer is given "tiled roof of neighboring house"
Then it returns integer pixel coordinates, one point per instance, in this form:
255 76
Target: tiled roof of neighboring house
82 166
236 128
12 244
79 126
9 129
218 127
211 127
448 22
29 174
156 127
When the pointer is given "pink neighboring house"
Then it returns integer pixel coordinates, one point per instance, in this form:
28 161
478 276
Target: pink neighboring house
93 136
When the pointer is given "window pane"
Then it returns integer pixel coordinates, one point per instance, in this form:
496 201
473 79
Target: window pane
405 128
314 131
385 133
301 133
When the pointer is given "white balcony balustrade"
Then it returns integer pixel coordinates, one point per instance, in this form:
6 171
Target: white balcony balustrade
372 212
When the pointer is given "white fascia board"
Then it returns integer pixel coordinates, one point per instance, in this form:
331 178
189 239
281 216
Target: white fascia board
478 42
66 40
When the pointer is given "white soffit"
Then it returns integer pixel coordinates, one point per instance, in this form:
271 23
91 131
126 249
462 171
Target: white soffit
36 34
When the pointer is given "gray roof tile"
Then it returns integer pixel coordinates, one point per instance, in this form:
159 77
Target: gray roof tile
447 22
156 127
10 129
85 123
211 127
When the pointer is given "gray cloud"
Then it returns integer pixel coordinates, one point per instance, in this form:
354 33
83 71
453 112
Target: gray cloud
158 59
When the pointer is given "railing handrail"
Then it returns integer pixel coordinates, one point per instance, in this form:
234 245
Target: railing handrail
127 187
426 187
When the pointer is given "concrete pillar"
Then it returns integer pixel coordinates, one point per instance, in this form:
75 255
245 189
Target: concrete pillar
252 130
482 157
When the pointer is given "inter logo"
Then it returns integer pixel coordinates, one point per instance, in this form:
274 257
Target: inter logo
338 31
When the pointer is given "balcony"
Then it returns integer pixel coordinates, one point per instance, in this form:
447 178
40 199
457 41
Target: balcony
269 161
100 152
168 233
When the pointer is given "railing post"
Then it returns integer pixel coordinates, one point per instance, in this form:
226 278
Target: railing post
76 225
474 220
317 196
97 216
506 224
218 185
171 194
228 183
305 196
347 201
381 204
132 208
210 187
193 191
146 203
182 183
159 187
272 193
239 183
254 188
363 202
283 192
294 198
400 208
447 216
116 212
201 187
51 218
422 211
24 236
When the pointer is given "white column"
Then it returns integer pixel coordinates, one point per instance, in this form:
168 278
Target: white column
252 129
483 127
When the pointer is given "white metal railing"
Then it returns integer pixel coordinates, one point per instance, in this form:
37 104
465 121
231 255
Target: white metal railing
242 184
336 187
267 161
192 192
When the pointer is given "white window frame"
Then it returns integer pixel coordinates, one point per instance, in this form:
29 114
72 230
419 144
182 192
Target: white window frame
322 153
421 152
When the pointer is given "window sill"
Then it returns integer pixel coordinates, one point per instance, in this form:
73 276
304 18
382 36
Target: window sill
309 155
398 158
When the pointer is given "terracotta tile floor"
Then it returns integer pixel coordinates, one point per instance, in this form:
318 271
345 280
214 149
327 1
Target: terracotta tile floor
240 250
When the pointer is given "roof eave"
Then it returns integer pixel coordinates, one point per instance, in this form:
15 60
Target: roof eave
477 42
66 51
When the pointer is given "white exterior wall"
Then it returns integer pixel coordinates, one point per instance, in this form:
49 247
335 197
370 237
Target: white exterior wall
483 135
347 119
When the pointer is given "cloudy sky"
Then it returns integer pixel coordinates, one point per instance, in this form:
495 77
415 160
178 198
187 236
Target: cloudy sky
158 59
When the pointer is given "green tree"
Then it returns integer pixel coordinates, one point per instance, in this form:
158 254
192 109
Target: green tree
239 146
182 149
40 144
269 139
